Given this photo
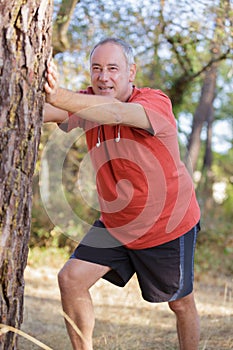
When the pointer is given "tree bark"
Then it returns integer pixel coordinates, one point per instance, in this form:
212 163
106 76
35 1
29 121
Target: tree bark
208 156
205 186
201 115
24 50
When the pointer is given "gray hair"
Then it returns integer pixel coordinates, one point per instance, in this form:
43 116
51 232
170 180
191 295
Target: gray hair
127 48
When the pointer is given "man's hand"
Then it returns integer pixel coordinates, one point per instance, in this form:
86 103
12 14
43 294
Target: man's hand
95 108
52 85
51 113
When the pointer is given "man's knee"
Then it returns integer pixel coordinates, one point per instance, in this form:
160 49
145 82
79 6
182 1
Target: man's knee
183 305
79 276
68 277
63 279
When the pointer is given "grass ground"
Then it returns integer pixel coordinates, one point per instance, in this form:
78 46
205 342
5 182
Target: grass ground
123 320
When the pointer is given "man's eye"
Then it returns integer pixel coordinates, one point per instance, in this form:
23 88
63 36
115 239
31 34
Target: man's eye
96 69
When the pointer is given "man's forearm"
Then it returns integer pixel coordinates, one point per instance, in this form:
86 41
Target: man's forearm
53 114
96 108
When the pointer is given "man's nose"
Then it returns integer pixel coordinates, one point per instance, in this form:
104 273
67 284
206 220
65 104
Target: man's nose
104 75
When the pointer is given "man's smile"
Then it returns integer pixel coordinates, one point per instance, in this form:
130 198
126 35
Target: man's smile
104 88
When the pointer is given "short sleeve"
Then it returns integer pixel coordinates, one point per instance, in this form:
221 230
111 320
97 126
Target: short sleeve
158 109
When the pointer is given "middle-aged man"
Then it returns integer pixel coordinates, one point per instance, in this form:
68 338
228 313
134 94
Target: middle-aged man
149 213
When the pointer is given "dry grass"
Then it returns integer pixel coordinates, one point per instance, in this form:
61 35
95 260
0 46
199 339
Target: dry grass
123 320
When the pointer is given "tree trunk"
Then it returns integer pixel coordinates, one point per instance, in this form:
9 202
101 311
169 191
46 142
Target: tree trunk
24 49
205 186
208 157
201 115
204 111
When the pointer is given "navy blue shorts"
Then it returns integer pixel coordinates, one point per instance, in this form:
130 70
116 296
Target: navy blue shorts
164 272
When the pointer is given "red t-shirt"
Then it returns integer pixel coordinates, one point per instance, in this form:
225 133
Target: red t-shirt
145 192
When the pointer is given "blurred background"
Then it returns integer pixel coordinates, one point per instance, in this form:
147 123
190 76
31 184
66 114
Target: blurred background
183 48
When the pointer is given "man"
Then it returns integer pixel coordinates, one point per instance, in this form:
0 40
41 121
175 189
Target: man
149 213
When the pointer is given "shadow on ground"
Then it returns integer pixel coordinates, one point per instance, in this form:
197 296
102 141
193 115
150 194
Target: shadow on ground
123 320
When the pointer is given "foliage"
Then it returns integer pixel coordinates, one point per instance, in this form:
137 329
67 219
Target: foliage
215 244
172 43
45 232
47 256
173 49
224 169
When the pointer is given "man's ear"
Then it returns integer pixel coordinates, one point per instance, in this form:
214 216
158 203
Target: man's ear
132 72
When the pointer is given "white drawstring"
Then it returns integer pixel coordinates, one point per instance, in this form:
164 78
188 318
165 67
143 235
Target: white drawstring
117 139
98 138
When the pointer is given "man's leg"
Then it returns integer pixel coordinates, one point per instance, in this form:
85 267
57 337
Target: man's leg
188 327
75 279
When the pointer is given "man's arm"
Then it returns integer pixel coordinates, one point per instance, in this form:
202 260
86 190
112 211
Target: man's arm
53 114
101 109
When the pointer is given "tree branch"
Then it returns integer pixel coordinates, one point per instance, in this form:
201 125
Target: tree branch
61 24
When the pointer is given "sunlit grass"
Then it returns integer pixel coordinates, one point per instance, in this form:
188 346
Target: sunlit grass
52 256
5 329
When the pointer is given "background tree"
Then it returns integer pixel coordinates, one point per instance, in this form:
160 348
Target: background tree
205 114
180 47
205 111
25 48
61 41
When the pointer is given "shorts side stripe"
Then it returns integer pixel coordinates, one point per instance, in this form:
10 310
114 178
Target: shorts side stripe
181 283
194 245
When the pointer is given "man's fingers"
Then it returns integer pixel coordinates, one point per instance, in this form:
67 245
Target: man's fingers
52 69
47 88
51 84
51 80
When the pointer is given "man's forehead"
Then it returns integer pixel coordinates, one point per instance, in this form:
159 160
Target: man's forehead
108 50
108 60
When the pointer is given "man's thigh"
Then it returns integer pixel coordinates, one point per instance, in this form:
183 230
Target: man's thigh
99 247
82 273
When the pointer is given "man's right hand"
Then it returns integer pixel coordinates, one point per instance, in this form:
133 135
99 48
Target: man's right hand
52 85
51 113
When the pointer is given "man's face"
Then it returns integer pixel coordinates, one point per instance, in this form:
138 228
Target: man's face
110 73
